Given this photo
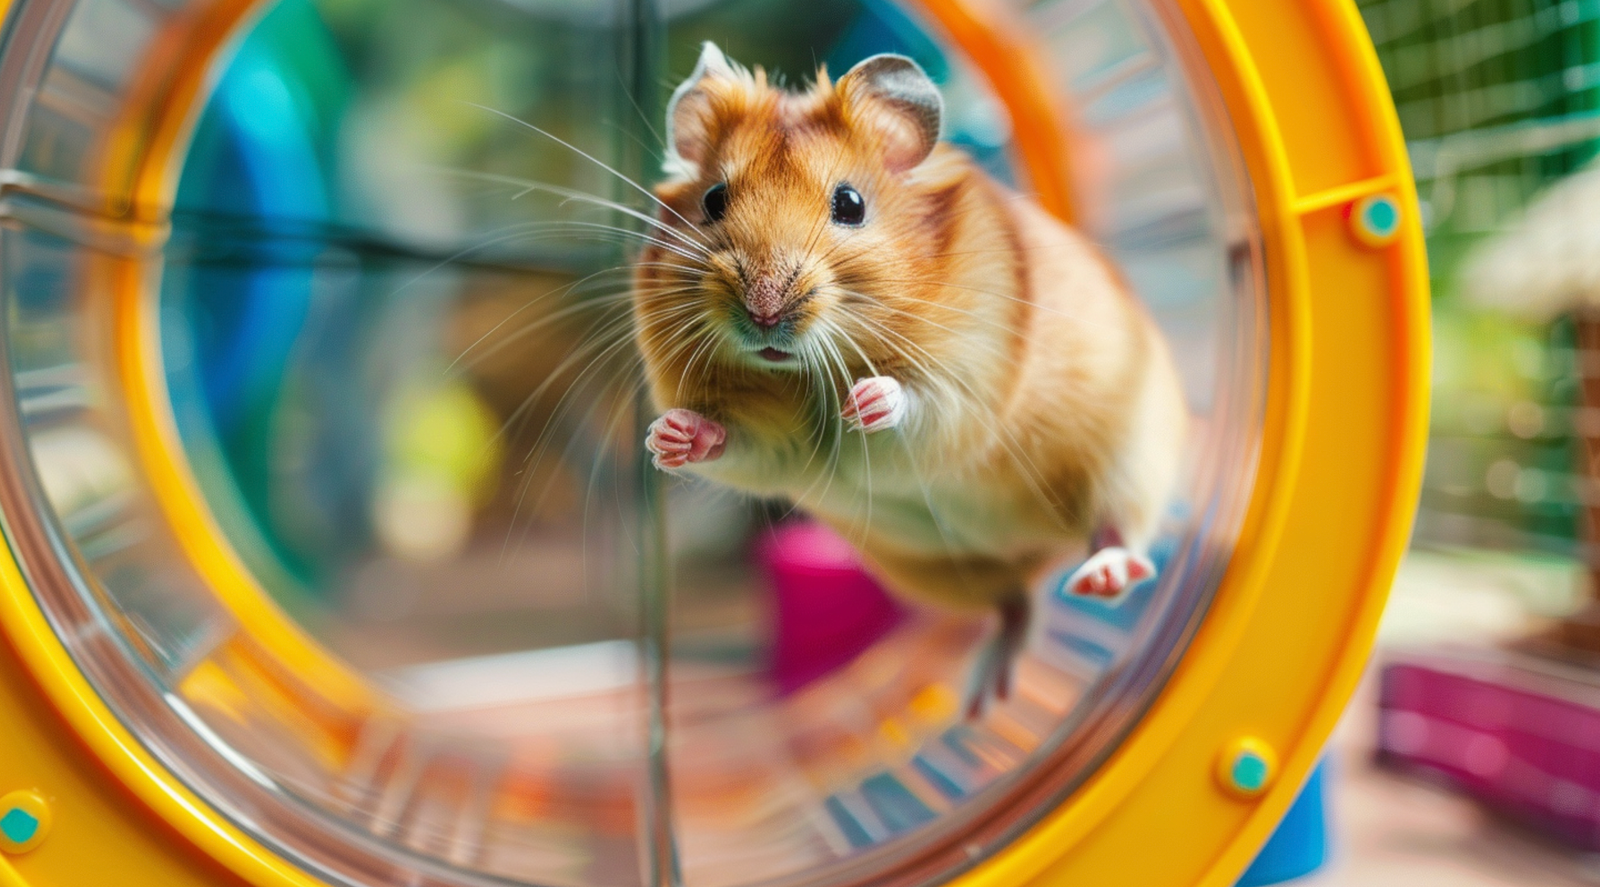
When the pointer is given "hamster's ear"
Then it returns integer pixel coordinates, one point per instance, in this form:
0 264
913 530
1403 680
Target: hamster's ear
892 95
690 117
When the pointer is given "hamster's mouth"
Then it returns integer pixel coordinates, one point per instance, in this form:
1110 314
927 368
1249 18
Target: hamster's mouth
773 355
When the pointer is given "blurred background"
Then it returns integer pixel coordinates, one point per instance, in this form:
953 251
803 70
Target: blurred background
1469 757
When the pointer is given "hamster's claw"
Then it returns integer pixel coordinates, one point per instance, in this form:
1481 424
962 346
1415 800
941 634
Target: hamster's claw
1109 572
682 437
876 403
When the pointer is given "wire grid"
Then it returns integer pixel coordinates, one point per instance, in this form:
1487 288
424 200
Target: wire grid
1499 100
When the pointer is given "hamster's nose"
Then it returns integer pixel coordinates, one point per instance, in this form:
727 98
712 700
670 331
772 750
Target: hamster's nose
765 321
764 300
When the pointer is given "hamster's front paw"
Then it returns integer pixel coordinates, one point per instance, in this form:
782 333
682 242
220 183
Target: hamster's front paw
681 437
876 403
1109 572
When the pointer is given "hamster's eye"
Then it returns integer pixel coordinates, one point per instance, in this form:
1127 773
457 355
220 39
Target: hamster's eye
715 202
849 207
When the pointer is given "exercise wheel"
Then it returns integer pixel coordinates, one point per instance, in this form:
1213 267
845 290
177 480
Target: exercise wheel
282 606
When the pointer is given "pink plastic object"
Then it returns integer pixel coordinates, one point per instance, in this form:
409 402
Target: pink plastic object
1518 733
826 609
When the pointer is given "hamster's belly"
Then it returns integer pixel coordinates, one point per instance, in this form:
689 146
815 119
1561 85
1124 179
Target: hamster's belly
876 490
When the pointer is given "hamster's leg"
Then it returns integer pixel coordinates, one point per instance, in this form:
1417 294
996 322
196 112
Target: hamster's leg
991 678
876 403
681 437
1111 570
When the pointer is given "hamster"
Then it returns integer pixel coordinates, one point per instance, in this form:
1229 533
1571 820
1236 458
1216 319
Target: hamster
837 309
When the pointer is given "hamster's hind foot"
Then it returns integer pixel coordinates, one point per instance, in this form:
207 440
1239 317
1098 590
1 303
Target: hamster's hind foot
876 403
1109 572
682 437
990 681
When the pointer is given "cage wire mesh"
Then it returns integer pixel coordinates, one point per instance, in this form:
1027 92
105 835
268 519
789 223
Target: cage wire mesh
1500 104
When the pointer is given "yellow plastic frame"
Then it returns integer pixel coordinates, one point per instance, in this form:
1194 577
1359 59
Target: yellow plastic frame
1277 656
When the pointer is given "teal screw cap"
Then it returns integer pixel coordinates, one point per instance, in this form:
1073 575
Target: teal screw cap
24 822
19 825
1375 219
1249 772
1246 767
1383 216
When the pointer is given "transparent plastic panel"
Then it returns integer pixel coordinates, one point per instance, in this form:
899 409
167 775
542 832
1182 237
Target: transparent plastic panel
819 731
337 481
288 522
85 463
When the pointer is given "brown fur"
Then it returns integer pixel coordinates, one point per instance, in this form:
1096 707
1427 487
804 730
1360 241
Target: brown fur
1045 404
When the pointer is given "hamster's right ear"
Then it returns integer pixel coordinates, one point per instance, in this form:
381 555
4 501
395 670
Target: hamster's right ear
690 117
893 96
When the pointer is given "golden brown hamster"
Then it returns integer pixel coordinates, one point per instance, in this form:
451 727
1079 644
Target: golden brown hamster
837 309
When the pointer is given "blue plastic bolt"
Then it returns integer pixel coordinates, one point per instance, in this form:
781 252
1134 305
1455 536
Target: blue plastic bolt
1246 767
1375 219
1383 216
25 822
1249 772
19 825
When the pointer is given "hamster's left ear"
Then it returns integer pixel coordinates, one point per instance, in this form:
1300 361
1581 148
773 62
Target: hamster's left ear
891 95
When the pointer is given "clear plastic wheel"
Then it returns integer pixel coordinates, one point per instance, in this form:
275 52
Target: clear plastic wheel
323 457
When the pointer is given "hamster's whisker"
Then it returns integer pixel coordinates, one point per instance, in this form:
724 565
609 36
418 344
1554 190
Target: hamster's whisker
866 447
722 337
993 251
536 454
1029 469
707 347
537 231
919 471
833 397
601 305
939 283
994 350
836 358
684 318
593 302
694 315
619 231
506 234
507 319
661 143
608 437
675 339
587 156
582 352
546 437
602 339
833 358
824 444
689 249
653 317
688 346
812 372
531 186
533 326
556 229
678 340
594 454
587 299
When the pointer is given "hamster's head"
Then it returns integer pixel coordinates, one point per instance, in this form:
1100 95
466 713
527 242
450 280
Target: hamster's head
795 227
